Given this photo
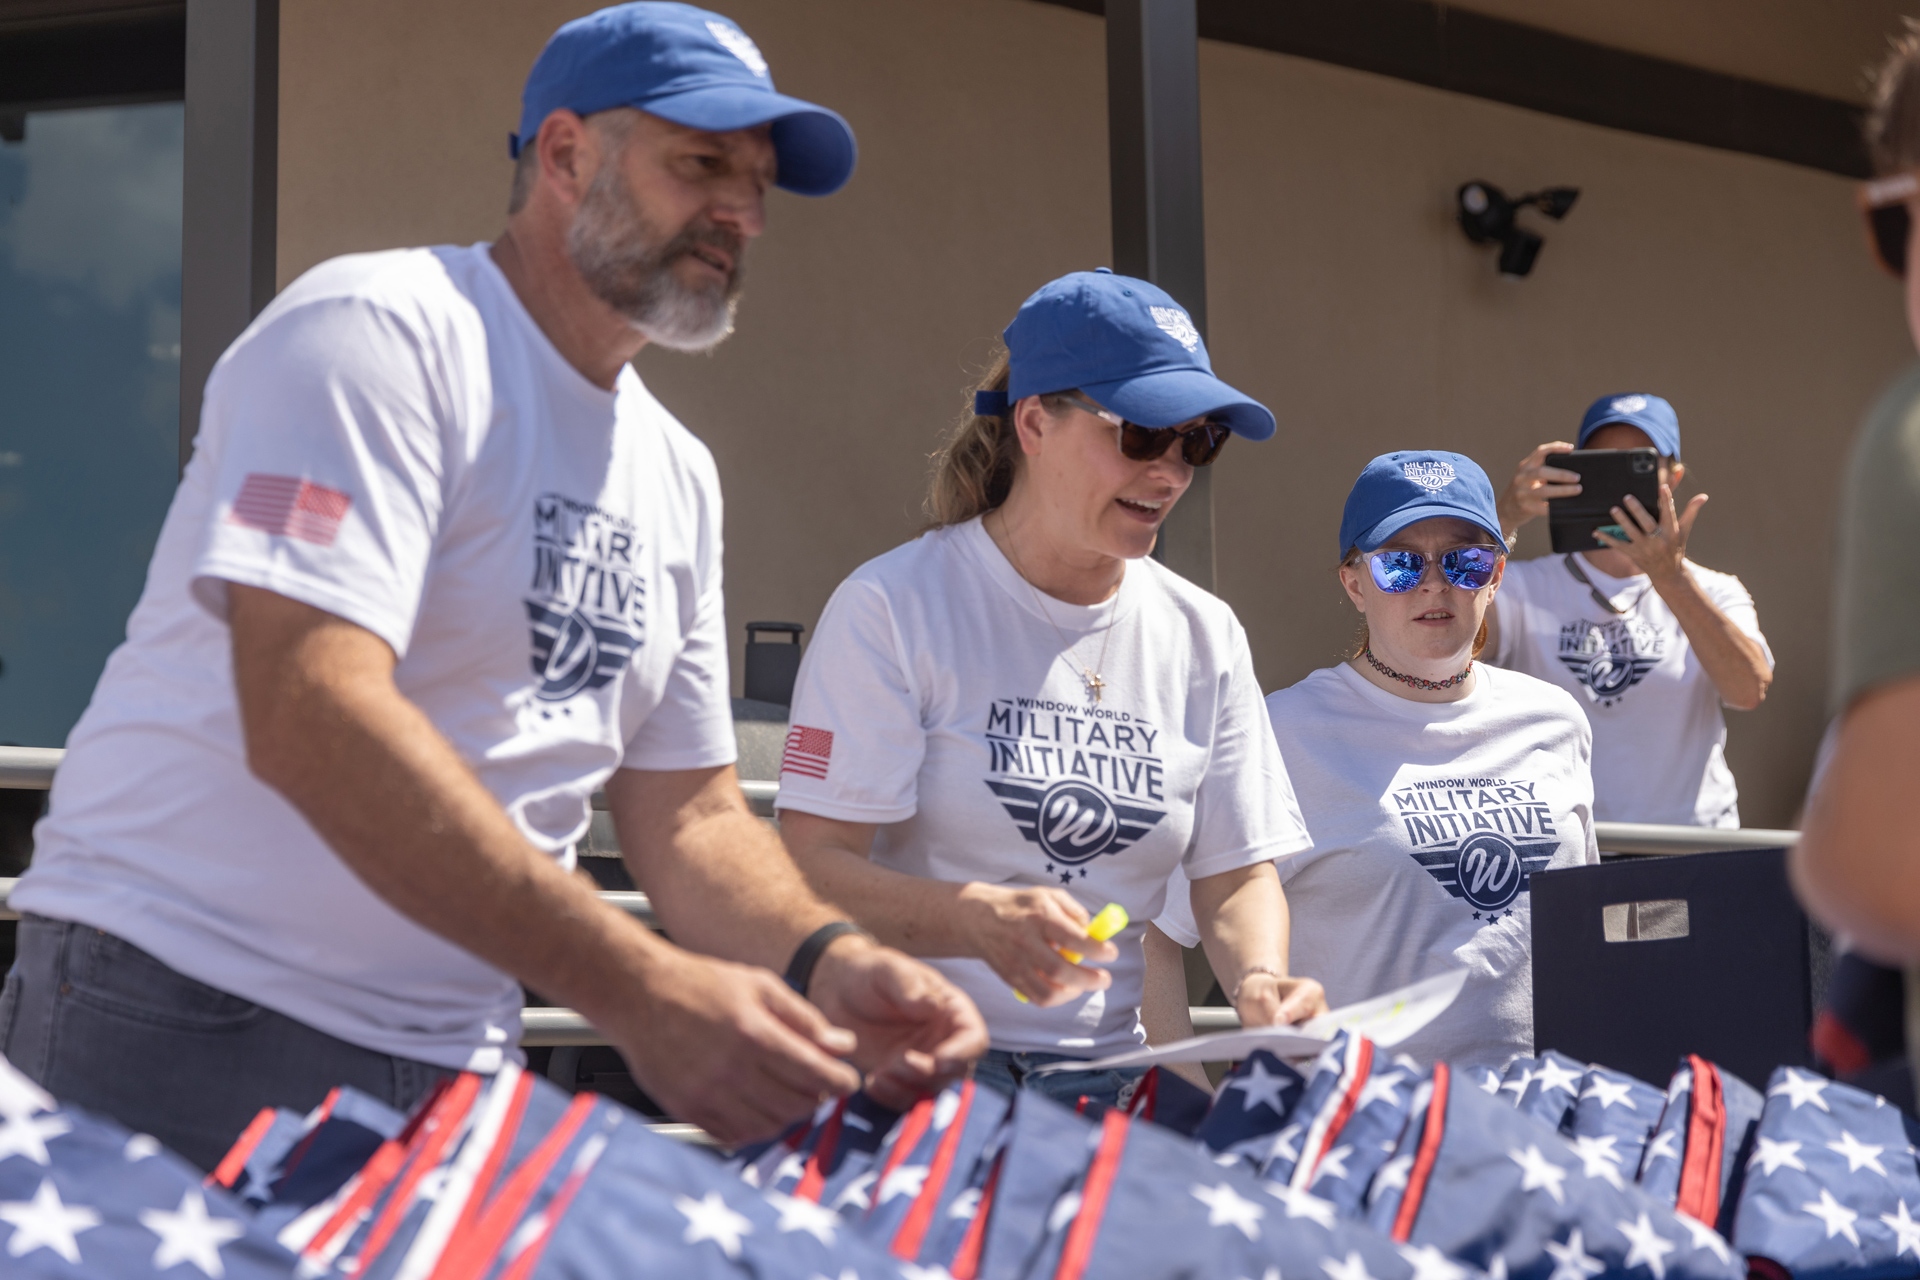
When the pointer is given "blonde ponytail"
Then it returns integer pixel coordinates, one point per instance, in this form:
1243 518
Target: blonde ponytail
974 469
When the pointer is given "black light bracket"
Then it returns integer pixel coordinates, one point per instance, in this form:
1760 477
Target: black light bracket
1490 216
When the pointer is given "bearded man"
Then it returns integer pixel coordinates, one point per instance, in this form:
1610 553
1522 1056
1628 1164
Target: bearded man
439 569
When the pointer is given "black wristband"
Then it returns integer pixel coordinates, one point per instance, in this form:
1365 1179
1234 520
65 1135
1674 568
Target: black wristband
800 968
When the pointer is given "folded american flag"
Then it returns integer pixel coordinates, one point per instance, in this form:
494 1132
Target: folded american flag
1546 1088
1831 1187
83 1197
1698 1151
1615 1113
1249 1119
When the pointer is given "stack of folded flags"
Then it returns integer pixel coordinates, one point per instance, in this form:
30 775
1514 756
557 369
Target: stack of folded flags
1359 1166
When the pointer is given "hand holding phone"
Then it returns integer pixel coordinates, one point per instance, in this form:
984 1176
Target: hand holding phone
1607 478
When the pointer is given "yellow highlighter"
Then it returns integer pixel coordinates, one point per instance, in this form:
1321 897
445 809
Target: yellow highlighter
1110 919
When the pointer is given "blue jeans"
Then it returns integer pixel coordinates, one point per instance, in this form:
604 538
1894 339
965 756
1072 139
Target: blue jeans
1008 1071
101 1024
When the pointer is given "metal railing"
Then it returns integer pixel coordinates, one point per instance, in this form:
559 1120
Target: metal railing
32 768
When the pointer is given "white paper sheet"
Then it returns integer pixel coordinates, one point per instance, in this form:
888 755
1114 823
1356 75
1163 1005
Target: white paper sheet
1386 1020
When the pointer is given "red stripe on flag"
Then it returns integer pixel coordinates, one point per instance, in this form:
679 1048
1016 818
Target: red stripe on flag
1425 1158
288 506
430 1142
1349 1099
243 1148
1093 1197
906 1136
907 1240
808 752
1699 1196
815 1177
966 1261
475 1248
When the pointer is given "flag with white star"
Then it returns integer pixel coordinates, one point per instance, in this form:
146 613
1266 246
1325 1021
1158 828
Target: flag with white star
1500 1190
285 1163
82 1197
1832 1184
1549 1087
1697 1155
1250 1112
1618 1111
1341 1130
1149 1206
931 1172
829 1159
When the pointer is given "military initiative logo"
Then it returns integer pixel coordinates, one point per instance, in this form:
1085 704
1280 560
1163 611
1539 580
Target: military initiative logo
587 604
1431 476
1081 782
1176 324
1609 658
1479 838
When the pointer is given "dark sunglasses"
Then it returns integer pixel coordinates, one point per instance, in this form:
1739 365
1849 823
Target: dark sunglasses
1200 443
1469 568
1889 218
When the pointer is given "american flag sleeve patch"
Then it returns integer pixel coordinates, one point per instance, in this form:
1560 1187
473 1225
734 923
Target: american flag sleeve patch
808 751
290 507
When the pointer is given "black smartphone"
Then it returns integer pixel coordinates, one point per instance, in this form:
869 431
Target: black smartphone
1607 476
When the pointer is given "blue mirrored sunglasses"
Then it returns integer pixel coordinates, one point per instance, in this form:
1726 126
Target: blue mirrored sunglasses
1469 568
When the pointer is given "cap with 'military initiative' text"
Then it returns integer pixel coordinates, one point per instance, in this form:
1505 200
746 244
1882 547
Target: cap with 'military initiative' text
689 66
1396 490
1635 409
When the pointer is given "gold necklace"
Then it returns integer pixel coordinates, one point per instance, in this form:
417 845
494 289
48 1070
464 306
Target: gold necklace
1092 679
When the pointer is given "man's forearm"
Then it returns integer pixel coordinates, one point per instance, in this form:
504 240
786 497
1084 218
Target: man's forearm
1732 659
721 881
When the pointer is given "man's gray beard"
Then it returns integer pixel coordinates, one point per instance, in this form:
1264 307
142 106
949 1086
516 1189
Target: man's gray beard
625 263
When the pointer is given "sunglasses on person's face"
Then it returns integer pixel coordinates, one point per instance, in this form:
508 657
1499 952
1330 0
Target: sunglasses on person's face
1469 568
1884 201
1200 443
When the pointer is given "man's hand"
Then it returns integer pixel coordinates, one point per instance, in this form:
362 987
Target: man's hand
1658 548
1265 1000
916 1030
1534 485
1021 933
730 1048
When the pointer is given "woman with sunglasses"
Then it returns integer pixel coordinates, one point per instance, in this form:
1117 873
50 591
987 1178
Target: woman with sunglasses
1434 785
1018 717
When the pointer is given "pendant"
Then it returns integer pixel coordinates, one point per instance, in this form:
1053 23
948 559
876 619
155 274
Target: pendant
1094 684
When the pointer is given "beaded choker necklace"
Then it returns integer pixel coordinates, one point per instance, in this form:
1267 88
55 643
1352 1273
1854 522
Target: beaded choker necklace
1414 681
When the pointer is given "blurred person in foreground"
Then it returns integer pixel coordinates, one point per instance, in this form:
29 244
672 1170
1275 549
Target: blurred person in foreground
441 567
1652 645
1433 785
1857 865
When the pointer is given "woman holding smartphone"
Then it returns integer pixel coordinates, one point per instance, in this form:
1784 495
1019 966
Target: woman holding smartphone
1019 717
1434 786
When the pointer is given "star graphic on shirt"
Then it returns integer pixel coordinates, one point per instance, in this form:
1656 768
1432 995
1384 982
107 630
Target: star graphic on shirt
1705 1237
44 1222
1801 1088
1301 1204
1537 1173
1610 1092
1859 1155
1430 1264
1571 1261
816 1220
1647 1247
25 1135
1598 1159
1838 1217
1354 1268
1228 1208
1066 877
1382 1088
903 1180
712 1218
1662 1147
1552 1075
1393 1175
190 1234
1260 1087
1772 1154
1334 1163
1906 1230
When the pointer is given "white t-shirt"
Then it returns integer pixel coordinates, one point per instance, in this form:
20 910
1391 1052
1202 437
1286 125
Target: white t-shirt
1427 820
935 702
1659 739
396 442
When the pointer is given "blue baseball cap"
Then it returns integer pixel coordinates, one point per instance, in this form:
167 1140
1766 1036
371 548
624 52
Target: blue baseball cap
1129 346
1400 489
1635 409
689 66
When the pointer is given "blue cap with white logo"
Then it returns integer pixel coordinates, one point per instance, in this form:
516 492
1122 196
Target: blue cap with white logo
1128 346
689 66
1636 409
1400 489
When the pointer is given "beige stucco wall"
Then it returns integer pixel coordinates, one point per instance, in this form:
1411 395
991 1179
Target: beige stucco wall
1340 291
